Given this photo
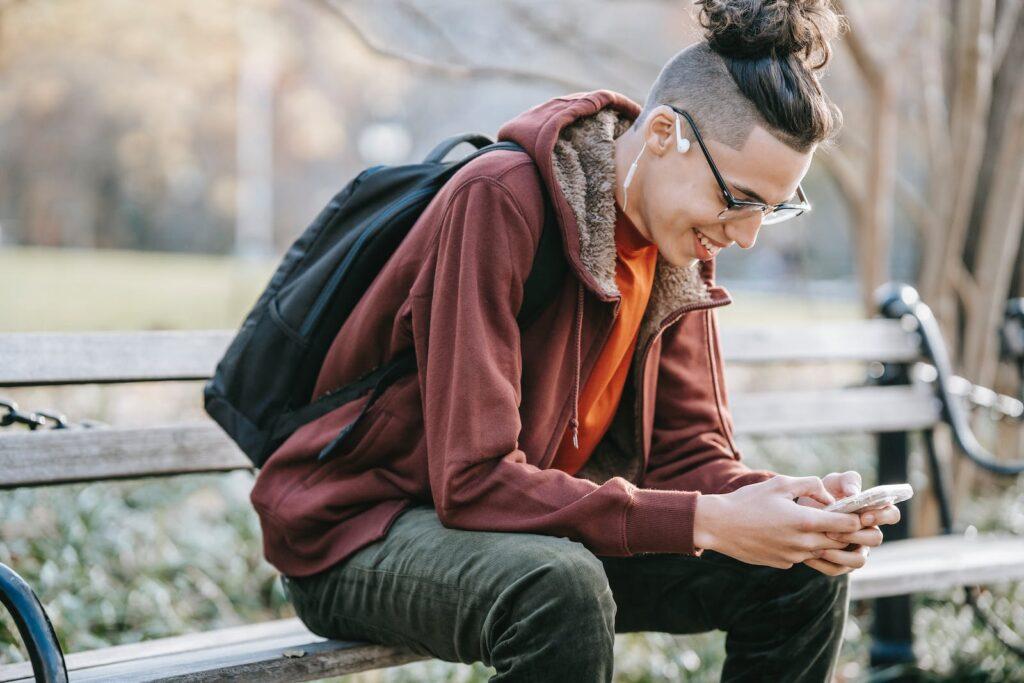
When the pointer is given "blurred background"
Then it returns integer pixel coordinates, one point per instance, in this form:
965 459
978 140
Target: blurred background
157 159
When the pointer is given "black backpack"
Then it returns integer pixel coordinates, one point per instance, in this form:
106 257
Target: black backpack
261 390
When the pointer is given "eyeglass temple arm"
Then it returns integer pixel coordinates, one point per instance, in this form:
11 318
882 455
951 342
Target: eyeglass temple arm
707 155
721 181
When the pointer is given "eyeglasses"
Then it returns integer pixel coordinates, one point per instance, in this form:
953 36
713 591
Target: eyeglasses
739 208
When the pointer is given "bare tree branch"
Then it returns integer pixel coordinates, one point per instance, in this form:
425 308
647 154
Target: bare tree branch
432 26
874 226
869 63
845 174
997 243
936 113
1006 26
923 216
972 94
448 69
964 284
608 53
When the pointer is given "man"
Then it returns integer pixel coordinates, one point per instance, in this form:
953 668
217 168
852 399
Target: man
529 493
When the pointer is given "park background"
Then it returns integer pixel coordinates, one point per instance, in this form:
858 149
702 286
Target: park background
157 159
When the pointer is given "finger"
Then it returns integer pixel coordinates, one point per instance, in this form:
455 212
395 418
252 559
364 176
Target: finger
809 542
889 514
824 521
809 502
871 536
848 558
852 482
808 486
834 485
843 484
826 567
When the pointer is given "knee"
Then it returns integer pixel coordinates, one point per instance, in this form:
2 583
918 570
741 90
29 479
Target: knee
568 583
809 587
825 584
554 617
577 581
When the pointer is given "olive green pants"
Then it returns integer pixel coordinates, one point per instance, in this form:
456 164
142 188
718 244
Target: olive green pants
544 608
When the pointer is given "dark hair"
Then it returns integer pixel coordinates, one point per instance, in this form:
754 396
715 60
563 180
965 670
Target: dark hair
773 50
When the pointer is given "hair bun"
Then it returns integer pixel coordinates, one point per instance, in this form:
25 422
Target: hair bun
755 29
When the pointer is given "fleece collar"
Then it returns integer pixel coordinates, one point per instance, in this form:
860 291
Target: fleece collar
583 160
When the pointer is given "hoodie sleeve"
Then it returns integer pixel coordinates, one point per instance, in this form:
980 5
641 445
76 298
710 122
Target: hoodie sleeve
467 345
692 446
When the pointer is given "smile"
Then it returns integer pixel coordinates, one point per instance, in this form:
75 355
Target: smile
706 248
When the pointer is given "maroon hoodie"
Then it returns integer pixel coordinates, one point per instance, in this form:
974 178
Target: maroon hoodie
475 429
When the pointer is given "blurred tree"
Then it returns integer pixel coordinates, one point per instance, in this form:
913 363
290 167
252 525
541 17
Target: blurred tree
956 88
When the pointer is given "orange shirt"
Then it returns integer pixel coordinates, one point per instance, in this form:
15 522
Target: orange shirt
599 397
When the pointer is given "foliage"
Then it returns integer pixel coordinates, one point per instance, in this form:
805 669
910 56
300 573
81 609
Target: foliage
119 562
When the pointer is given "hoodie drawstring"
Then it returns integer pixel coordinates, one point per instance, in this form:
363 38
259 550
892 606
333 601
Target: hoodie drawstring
575 422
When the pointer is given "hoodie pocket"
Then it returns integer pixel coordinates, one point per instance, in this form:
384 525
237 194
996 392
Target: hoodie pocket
358 425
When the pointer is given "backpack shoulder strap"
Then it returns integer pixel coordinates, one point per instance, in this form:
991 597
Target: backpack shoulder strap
548 270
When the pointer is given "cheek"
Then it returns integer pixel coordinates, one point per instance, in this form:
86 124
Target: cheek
688 210
706 212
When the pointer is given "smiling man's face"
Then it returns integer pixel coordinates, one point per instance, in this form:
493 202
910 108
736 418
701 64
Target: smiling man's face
674 198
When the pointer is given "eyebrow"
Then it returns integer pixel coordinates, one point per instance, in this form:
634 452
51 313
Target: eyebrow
750 193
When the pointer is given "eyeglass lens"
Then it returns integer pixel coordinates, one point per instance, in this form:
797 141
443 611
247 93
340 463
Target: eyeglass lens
740 212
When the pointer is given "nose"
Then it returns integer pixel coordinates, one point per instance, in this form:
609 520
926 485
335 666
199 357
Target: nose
744 231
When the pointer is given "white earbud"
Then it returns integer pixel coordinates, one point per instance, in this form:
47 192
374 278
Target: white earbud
682 144
629 176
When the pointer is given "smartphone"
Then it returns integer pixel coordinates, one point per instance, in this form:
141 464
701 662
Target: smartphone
877 496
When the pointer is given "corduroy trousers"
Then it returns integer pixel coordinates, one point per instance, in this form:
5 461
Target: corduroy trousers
544 608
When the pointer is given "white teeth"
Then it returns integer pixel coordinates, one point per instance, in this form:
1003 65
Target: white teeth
707 244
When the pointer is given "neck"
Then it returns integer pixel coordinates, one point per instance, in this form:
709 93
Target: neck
627 147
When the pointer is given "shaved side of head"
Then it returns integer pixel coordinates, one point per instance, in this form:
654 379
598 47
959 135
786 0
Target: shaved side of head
757 65
696 79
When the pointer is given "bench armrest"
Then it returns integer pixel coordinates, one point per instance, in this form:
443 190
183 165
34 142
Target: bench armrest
902 302
34 625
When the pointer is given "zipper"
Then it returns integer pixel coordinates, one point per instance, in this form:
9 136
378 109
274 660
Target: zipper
569 407
638 405
339 273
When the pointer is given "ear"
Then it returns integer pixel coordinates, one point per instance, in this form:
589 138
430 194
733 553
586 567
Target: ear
660 131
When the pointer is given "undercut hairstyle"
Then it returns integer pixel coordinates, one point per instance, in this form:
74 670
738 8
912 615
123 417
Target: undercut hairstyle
758 64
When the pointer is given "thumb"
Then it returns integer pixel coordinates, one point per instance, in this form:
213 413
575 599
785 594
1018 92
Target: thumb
812 487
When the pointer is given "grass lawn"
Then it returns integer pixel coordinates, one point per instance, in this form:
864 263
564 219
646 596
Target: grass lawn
78 290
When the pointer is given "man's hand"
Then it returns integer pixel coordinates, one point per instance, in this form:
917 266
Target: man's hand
834 561
759 523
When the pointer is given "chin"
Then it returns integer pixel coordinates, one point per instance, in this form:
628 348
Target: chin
681 261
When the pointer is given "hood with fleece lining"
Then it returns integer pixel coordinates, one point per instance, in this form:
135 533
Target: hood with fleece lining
571 139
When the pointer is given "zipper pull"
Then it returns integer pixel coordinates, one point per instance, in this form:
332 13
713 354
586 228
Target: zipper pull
330 448
575 433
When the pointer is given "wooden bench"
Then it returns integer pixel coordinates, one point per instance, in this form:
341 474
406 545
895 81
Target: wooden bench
891 404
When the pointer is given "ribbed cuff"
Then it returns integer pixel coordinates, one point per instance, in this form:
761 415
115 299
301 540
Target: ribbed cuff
661 521
751 477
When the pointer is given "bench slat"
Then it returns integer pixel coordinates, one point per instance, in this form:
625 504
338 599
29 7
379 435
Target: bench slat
31 358
106 357
942 562
834 411
74 455
191 642
250 653
858 340
78 455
